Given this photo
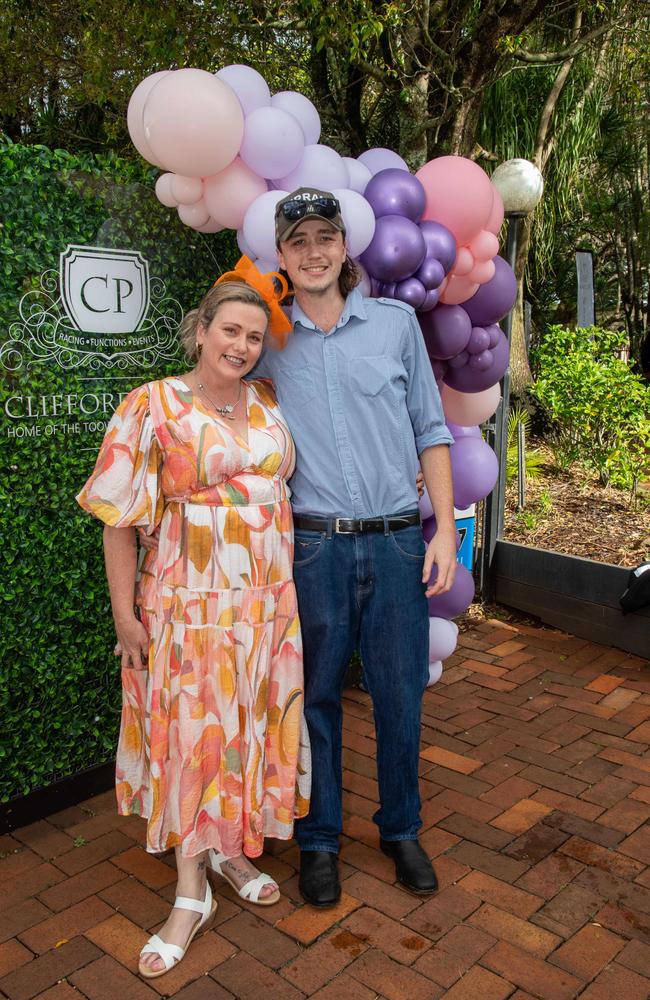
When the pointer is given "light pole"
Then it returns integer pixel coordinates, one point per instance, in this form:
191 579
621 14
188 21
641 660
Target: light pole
520 184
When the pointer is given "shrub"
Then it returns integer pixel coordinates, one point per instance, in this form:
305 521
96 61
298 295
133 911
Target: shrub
599 406
60 687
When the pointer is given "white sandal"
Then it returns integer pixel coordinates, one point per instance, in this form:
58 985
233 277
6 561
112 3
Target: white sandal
252 889
171 954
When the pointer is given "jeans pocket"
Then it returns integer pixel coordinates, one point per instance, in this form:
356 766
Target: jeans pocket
307 547
410 543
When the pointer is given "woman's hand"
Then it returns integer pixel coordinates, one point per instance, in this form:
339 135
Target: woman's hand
132 644
149 542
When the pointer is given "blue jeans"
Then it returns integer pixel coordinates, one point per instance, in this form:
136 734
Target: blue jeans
365 592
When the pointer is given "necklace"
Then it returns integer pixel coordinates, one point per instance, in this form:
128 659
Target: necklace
225 409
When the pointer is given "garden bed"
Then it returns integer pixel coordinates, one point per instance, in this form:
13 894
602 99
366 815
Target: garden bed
571 512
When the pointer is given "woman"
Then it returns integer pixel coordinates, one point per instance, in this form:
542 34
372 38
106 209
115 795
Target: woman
213 749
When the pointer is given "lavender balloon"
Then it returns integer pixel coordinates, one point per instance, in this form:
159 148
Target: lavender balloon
396 192
396 250
440 243
431 301
455 601
474 470
495 298
431 273
411 291
446 331
462 432
467 379
429 528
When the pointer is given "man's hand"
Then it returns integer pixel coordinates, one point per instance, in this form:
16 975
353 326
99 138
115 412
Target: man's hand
419 482
441 552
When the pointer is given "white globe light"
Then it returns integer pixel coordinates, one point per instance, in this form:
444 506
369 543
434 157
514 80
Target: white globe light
520 184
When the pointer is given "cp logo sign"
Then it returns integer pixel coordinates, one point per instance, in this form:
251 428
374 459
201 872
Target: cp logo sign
104 291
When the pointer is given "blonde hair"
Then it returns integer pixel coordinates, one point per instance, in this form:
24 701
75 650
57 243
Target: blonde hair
227 291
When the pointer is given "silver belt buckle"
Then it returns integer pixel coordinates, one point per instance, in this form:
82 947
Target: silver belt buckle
337 526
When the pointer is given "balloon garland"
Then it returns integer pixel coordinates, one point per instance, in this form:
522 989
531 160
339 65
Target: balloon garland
229 150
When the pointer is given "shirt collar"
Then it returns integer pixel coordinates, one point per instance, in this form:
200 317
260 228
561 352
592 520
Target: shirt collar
354 307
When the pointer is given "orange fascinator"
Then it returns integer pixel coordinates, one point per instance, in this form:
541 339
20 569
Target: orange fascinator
272 287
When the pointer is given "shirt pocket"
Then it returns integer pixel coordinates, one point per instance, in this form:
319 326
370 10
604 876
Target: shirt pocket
374 376
294 386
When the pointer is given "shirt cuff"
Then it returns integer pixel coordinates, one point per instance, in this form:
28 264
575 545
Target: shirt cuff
438 435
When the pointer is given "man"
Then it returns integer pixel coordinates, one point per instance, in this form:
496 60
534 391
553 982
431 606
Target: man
357 389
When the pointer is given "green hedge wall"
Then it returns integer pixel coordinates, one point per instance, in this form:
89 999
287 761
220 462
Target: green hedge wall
59 681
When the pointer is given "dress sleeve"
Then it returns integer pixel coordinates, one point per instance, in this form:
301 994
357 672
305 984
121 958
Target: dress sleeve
124 489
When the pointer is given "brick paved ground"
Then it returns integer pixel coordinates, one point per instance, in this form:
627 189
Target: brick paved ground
536 800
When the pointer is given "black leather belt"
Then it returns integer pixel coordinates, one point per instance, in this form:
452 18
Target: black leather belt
348 526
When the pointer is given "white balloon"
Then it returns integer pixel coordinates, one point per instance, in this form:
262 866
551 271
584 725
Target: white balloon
302 109
259 224
321 167
443 636
359 220
243 245
264 266
358 174
249 85
435 672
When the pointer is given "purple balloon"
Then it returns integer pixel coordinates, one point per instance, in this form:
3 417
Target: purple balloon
493 333
455 601
462 432
431 301
411 290
396 250
431 273
429 528
495 298
474 470
440 243
481 362
387 289
439 368
478 341
446 331
466 379
395 192
460 360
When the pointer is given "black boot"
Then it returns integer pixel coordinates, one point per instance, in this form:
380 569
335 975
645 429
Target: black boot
413 869
319 878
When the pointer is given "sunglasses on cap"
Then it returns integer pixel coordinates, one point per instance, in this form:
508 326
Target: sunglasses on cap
296 208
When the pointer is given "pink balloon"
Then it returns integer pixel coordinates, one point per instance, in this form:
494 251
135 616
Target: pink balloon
380 158
164 192
359 220
458 289
460 195
211 226
193 123
230 193
469 408
186 190
358 174
134 115
464 262
497 214
250 86
482 272
485 246
273 143
320 167
259 224
302 110
194 215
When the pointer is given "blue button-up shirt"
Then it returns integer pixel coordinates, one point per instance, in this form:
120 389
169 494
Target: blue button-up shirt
362 404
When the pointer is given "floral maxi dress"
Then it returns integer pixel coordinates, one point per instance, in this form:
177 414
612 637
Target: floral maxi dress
213 746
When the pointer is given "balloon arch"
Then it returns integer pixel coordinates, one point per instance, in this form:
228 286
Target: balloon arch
230 150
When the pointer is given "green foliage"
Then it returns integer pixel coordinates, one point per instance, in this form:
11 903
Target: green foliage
534 460
532 516
599 406
60 690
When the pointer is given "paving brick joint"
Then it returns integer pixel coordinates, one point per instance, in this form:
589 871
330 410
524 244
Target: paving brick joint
535 784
